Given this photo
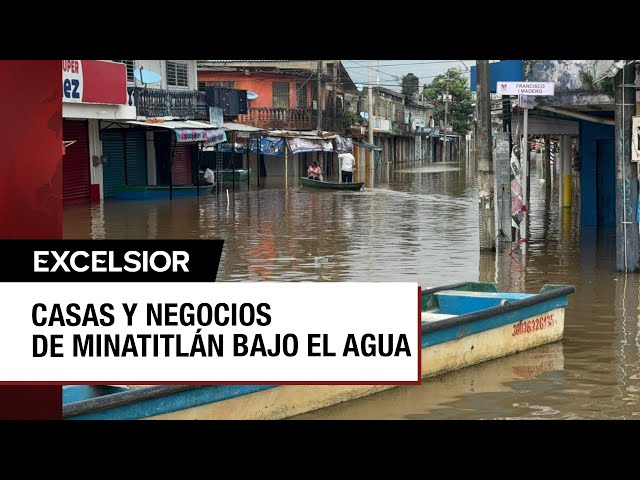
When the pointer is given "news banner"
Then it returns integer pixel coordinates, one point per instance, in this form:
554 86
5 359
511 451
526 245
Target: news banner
151 312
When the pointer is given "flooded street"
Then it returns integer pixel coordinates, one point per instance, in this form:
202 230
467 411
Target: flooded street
420 223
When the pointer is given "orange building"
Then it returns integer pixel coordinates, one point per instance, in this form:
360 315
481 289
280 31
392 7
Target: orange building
283 93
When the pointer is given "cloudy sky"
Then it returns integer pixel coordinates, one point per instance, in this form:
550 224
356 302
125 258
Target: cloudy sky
387 73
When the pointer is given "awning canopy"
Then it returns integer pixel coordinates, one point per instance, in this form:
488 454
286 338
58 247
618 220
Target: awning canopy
189 131
367 146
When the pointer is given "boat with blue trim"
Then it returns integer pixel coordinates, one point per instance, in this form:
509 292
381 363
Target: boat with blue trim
463 324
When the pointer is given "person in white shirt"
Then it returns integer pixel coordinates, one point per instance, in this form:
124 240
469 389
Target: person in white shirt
209 178
348 163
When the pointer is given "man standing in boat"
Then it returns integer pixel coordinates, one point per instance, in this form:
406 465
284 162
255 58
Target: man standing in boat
348 161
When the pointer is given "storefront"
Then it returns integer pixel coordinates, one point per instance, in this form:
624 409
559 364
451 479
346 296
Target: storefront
93 92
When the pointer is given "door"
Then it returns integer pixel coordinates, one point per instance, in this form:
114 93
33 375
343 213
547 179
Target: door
135 157
76 177
113 149
126 159
181 170
605 183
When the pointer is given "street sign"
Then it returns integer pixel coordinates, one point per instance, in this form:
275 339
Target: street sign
446 98
525 88
525 101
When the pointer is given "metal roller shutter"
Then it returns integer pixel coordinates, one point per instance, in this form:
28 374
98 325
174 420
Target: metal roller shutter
136 157
113 170
181 169
76 178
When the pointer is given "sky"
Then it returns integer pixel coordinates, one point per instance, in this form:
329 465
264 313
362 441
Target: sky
387 73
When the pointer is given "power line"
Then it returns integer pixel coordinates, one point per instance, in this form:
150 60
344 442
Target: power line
405 64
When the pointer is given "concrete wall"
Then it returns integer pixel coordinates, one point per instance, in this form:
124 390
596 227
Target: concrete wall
590 133
573 81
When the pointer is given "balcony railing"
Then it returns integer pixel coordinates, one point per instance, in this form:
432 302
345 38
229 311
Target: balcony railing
150 102
291 119
278 118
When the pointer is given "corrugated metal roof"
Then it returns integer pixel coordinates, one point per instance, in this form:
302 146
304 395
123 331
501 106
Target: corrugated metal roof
173 124
239 127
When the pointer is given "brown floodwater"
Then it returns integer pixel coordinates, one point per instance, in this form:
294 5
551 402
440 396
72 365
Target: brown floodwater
419 222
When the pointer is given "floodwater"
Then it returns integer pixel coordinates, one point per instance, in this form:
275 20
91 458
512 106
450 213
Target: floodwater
419 222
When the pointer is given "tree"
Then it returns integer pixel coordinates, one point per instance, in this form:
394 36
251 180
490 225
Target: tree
410 85
460 114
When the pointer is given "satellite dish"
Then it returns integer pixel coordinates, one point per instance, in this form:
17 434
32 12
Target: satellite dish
146 77
251 95
606 69
359 86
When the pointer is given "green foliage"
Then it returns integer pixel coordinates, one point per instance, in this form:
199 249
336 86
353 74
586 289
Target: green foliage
605 85
410 85
460 114
349 119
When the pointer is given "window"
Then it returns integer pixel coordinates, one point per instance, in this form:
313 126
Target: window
130 64
177 74
301 91
280 94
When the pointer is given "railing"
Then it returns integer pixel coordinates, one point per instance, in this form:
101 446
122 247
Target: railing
150 102
291 119
278 118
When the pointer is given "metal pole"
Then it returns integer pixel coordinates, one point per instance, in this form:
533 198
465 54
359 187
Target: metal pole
525 157
233 159
258 159
567 171
286 163
198 170
524 153
173 151
248 163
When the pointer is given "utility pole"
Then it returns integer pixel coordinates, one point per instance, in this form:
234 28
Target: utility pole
446 112
626 177
485 160
370 114
335 96
319 105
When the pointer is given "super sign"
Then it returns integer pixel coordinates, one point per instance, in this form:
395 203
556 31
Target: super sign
71 81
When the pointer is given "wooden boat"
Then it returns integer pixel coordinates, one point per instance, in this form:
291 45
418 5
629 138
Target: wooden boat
462 324
351 186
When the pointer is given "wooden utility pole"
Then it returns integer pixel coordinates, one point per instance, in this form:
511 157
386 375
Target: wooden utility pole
626 177
335 96
319 99
485 160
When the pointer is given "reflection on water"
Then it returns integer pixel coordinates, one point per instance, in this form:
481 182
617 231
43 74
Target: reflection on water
420 223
